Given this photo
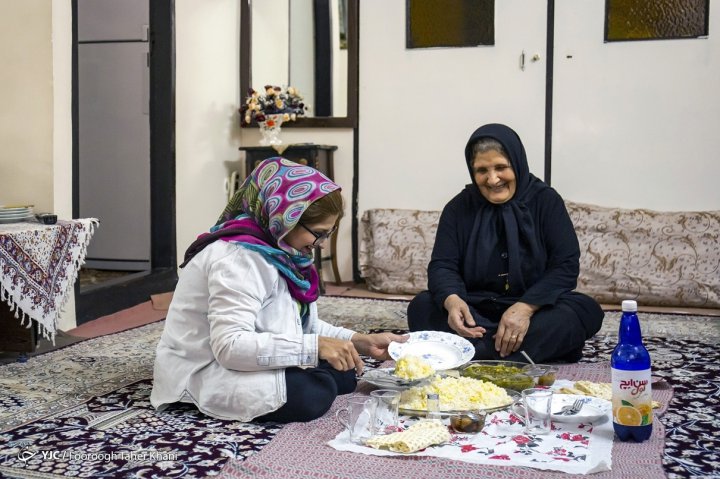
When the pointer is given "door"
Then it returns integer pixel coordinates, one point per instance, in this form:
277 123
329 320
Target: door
114 131
634 123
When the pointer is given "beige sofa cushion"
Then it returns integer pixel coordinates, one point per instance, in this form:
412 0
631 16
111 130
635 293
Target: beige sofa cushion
395 249
657 258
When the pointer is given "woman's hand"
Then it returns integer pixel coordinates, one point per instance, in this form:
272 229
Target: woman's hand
460 319
513 326
341 354
376 345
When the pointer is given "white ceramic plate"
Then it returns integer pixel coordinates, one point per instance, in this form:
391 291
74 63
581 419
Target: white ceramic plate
593 410
14 220
384 378
15 209
440 350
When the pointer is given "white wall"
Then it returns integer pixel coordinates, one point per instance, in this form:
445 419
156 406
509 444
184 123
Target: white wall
207 99
414 126
62 128
26 99
635 123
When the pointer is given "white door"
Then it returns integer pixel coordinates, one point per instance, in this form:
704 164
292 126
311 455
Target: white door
635 124
412 151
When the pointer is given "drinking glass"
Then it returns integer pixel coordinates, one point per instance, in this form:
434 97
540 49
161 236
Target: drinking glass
386 403
357 417
537 404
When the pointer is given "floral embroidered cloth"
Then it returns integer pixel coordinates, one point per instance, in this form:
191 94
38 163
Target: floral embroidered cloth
572 448
38 267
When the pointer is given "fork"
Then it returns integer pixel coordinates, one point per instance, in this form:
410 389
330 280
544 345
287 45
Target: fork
574 409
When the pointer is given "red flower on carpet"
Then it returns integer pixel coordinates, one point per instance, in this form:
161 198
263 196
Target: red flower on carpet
467 448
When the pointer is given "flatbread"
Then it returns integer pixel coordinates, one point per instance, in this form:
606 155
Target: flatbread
598 390
420 435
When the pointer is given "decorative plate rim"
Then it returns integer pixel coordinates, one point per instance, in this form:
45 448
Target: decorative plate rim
463 346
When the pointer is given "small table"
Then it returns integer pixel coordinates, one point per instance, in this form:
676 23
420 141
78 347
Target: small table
319 157
38 267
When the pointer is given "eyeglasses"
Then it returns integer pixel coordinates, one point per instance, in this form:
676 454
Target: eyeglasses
320 237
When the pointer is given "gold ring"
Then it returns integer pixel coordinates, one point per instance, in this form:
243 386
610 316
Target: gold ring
513 337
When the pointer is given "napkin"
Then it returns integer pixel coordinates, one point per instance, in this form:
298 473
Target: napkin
418 436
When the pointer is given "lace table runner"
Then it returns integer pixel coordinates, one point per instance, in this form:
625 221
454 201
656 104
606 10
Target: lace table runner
38 267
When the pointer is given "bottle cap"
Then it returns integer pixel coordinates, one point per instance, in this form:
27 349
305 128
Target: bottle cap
629 305
433 396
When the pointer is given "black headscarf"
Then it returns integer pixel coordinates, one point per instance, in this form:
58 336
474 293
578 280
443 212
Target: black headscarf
526 257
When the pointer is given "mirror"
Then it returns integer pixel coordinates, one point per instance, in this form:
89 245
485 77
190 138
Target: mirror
315 50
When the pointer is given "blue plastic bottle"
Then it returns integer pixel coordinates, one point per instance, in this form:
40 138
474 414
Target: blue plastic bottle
631 386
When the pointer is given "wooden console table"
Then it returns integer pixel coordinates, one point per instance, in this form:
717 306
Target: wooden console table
319 157
38 267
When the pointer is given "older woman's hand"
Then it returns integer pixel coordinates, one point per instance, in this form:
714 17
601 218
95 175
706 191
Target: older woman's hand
513 326
376 345
460 319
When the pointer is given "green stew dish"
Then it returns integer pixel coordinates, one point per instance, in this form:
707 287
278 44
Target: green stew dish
505 374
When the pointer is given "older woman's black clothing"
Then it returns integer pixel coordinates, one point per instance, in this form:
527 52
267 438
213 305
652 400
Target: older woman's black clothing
494 255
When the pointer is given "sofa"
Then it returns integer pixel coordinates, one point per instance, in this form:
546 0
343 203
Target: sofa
664 259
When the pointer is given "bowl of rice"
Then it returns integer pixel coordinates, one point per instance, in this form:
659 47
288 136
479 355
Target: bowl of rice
456 394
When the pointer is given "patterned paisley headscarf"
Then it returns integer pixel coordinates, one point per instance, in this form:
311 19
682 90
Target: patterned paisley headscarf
266 207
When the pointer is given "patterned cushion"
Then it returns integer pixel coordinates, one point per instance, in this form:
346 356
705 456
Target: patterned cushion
395 249
657 258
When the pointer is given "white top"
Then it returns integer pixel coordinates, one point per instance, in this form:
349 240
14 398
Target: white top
231 329
629 305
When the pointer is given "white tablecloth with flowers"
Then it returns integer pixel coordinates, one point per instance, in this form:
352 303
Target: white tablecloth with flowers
571 448
38 267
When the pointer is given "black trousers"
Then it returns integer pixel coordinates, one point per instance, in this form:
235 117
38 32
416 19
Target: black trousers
311 392
556 333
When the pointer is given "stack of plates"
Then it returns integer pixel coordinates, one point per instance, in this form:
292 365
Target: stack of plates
15 214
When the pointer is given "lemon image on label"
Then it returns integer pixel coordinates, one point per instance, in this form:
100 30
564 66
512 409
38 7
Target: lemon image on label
628 416
646 412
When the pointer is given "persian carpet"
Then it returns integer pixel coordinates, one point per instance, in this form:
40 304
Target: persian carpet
83 410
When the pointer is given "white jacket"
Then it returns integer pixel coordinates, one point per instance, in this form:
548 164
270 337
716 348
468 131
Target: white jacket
231 329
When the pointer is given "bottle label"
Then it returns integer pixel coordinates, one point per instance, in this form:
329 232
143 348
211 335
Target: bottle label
631 397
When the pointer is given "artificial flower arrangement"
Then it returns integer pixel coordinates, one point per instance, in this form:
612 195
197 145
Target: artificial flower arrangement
274 101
